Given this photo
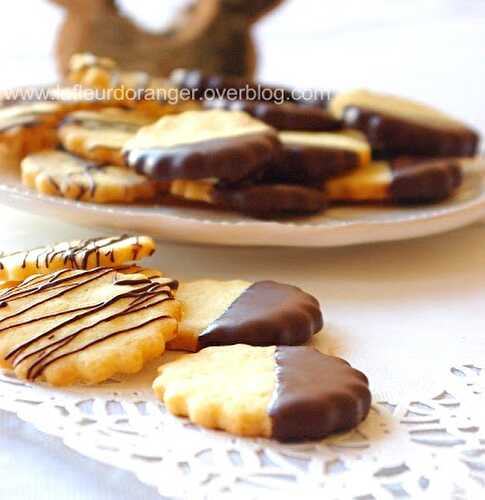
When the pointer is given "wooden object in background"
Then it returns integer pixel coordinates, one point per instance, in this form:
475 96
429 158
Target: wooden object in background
211 35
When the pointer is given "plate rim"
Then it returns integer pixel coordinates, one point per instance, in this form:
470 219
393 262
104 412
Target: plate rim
334 233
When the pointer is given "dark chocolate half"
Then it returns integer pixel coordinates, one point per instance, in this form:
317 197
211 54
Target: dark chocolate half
266 313
201 83
304 164
229 158
287 116
270 200
315 395
423 179
396 136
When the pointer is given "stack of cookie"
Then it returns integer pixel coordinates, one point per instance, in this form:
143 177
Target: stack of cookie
83 312
262 158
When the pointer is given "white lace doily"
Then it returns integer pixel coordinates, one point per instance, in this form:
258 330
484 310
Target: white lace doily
433 447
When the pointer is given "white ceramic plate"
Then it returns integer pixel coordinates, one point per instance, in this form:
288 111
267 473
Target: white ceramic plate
336 227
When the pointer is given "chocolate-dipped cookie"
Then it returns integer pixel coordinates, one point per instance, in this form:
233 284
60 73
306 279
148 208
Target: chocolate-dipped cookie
203 144
314 157
400 181
286 116
261 200
286 393
207 86
239 312
396 126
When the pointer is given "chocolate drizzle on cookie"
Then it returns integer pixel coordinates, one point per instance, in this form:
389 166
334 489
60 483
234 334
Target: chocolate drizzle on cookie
79 254
20 122
88 172
63 337
315 395
266 313
395 136
25 115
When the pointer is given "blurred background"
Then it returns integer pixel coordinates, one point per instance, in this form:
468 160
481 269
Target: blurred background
433 50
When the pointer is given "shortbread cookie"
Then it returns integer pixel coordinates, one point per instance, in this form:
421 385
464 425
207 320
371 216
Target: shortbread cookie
91 71
397 126
111 251
100 135
286 393
103 73
57 173
258 200
84 325
239 312
404 180
133 89
29 127
211 86
314 157
287 116
203 144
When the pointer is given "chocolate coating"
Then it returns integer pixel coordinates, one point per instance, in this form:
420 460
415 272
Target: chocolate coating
304 164
202 83
286 116
423 180
270 200
396 136
267 313
229 158
315 395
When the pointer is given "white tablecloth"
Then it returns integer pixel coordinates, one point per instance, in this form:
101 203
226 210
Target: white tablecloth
431 50
396 289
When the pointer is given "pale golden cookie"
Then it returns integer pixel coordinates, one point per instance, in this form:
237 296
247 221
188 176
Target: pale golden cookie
84 326
29 127
286 393
134 89
100 135
235 312
203 144
111 251
399 181
262 200
57 173
152 274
